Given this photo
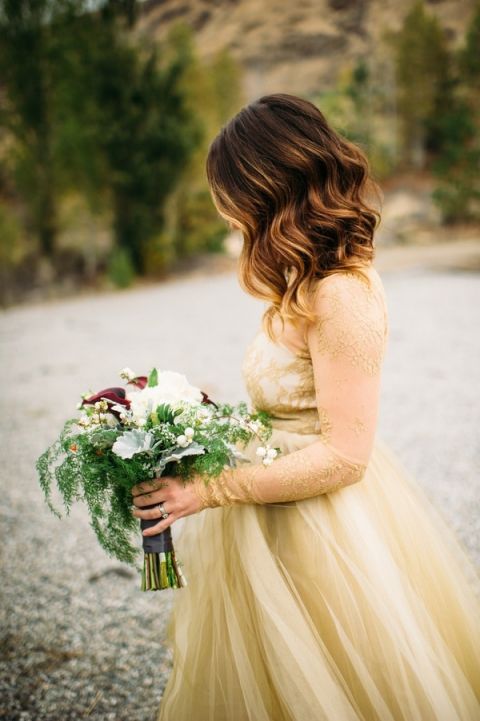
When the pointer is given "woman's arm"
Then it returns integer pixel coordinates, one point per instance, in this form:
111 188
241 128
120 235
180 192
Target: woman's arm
347 344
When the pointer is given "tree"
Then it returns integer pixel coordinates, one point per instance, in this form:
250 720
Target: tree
91 110
25 108
422 75
458 163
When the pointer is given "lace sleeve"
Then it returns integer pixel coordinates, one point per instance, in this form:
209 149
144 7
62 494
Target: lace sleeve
347 343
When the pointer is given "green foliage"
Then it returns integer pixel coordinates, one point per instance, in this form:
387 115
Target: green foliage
120 270
83 466
422 64
11 251
91 111
356 108
458 123
153 378
25 110
469 58
213 93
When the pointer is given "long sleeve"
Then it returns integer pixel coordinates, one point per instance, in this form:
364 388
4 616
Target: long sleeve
347 342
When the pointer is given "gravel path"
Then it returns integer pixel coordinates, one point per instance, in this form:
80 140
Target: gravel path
80 640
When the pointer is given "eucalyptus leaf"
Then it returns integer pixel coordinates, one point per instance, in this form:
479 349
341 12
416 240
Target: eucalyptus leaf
194 449
132 442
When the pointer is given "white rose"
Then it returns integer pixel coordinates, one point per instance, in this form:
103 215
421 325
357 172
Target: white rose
261 451
271 453
189 432
173 388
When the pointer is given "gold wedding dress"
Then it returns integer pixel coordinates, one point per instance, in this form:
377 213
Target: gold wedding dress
349 600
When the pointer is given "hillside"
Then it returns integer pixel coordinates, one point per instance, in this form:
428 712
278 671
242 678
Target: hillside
297 47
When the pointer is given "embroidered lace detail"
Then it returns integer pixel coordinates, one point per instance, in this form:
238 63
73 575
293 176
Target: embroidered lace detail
230 487
333 394
352 323
293 477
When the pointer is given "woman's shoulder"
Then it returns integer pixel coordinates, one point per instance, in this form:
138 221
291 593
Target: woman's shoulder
348 280
355 294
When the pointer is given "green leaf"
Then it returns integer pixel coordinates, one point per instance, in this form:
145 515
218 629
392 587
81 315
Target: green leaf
153 378
165 413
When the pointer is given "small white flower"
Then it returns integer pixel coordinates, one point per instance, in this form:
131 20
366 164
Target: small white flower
83 421
255 426
189 432
261 451
267 461
272 453
183 441
127 374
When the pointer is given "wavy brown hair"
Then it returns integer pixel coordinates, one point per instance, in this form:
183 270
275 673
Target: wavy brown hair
301 195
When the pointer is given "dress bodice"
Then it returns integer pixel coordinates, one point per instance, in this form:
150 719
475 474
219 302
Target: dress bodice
281 382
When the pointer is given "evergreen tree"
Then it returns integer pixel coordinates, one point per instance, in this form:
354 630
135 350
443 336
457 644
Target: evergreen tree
457 165
422 76
91 110
469 62
25 109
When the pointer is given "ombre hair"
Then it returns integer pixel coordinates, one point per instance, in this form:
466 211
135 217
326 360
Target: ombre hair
301 195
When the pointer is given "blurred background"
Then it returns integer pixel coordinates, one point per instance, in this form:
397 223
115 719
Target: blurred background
107 110
112 254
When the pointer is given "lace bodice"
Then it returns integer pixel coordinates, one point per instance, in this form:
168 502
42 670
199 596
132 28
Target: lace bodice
282 381
330 390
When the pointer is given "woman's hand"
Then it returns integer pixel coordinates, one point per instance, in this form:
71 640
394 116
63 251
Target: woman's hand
179 499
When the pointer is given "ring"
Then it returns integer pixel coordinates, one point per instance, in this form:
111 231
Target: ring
163 512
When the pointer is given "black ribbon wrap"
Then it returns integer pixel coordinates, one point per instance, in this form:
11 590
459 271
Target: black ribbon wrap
160 566
161 543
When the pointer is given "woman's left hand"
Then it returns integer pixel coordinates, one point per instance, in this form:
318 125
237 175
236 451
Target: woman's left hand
178 497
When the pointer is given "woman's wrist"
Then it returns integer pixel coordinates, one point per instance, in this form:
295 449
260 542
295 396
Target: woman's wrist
232 486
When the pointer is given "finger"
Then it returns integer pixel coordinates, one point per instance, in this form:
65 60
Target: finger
148 486
148 499
160 526
150 513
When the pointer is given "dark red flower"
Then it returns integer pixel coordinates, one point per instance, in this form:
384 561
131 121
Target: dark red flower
207 400
113 396
139 382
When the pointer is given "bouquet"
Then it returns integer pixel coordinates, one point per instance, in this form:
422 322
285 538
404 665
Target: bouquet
156 425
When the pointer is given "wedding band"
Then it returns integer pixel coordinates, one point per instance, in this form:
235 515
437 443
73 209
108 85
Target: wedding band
163 512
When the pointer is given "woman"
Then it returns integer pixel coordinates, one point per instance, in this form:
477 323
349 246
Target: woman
323 585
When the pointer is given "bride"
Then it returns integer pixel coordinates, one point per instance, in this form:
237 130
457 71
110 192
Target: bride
323 585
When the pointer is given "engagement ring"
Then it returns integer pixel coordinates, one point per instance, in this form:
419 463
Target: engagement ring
163 512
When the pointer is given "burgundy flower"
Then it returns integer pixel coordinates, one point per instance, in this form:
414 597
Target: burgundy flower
139 382
113 396
207 400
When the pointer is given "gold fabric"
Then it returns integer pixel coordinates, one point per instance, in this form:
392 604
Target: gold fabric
336 382
325 587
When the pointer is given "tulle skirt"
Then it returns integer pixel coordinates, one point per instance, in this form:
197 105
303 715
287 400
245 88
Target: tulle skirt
360 604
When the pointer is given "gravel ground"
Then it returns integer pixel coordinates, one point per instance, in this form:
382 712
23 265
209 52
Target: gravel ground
79 639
